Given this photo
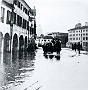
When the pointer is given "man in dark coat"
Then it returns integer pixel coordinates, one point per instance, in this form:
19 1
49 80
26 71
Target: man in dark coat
75 46
58 46
78 47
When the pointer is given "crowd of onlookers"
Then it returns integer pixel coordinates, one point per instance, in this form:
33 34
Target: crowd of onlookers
77 46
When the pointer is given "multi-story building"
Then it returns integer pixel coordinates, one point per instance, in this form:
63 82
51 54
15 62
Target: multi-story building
78 34
17 25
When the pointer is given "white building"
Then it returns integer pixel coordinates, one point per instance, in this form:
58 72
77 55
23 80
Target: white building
78 34
46 39
17 22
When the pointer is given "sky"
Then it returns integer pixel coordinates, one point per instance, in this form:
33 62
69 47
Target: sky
59 15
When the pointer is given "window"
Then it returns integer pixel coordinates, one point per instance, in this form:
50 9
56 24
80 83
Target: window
20 21
76 38
14 18
8 17
70 31
86 33
28 12
23 9
70 35
73 38
83 30
79 38
73 31
19 4
2 14
83 38
27 25
18 18
24 23
86 38
73 34
70 38
83 34
84 43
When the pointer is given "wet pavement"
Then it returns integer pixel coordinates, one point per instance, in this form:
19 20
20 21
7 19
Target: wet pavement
46 72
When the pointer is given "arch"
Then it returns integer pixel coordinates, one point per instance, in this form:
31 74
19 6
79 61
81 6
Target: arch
21 46
25 47
25 42
7 42
15 47
6 49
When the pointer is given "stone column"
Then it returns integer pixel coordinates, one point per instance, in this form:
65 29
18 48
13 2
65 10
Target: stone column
2 47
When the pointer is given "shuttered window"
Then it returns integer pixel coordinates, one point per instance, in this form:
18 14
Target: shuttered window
8 17
2 14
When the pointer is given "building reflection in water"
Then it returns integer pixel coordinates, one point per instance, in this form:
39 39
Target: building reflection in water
15 70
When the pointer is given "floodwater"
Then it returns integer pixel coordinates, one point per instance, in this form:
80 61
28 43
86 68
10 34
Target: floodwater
15 71
45 72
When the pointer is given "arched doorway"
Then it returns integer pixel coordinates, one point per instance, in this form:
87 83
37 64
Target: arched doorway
15 47
25 47
6 51
25 42
21 46
6 42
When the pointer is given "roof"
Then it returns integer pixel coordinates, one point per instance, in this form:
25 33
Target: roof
83 27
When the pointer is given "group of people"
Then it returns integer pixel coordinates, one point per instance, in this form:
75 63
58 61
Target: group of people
53 46
31 45
76 46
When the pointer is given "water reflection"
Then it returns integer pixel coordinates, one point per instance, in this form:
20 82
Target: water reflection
51 56
15 70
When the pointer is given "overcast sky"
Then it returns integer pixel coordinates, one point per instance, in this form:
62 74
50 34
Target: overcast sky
59 15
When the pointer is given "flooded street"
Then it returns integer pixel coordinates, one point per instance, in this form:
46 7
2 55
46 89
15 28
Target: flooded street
49 72
16 71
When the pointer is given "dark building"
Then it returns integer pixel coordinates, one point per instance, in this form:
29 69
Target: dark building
62 36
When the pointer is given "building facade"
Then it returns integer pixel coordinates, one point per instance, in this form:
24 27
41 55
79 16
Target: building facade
41 40
78 34
17 25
